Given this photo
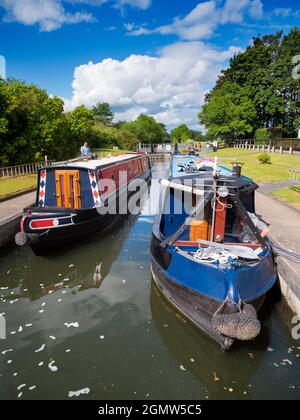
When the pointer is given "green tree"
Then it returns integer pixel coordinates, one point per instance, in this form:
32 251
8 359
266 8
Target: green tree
181 134
146 129
264 73
81 122
102 112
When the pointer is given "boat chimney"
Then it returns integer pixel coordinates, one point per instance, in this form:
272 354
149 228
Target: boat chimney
237 168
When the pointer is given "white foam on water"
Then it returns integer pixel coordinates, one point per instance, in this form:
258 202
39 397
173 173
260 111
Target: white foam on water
84 391
42 348
52 366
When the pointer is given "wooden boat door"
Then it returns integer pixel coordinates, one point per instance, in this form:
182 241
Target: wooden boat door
68 189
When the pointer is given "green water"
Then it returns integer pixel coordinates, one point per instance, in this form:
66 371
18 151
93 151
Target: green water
112 335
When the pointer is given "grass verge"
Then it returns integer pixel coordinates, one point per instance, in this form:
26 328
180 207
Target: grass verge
12 185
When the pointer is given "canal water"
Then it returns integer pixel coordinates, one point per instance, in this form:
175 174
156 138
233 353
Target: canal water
88 323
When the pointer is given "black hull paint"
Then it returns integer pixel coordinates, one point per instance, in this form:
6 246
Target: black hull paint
197 308
88 223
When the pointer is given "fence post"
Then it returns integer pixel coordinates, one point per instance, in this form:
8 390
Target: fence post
273 149
280 150
291 150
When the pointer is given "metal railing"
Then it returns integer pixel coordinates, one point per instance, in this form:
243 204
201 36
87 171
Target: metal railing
21 170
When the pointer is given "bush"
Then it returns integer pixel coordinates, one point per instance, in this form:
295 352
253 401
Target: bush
262 134
264 158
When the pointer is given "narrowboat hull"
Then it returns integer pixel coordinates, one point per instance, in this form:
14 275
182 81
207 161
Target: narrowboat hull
71 225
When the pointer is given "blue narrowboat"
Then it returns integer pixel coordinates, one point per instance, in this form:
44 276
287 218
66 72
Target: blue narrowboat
209 256
78 199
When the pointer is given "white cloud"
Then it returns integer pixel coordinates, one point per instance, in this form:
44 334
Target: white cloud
283 12
140 4
202 21
256 10
49 14
170 86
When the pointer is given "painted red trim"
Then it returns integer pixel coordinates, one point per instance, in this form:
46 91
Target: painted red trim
42 223
220 218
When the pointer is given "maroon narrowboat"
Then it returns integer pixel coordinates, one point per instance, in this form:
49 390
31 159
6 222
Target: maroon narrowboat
78 199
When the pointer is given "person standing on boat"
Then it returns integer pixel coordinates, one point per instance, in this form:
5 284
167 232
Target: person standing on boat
215 146
85 150
244 231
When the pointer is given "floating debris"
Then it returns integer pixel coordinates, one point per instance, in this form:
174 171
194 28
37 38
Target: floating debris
42 348
9 362
102 337
20 394
68 350
270 349
32 388
287 361
72 324
52 366
6 351
84 391
41 364
216 378
192 360
20 329
182 368
15 374
52 337
71 265
21 387
28 325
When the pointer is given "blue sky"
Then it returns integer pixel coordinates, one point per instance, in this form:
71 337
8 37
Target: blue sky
154 56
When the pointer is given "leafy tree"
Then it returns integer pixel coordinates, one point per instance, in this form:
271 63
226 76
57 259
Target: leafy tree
264 73
229 112
102 112
181 134
146 129
81 122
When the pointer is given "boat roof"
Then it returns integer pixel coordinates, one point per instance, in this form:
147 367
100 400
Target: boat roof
206 163
94 164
